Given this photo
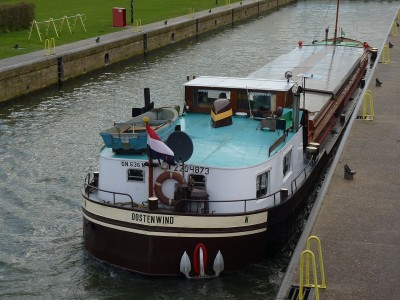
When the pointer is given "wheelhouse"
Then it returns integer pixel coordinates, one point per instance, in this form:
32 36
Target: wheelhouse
254 97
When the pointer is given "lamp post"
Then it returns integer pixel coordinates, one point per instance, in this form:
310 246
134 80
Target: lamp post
303 79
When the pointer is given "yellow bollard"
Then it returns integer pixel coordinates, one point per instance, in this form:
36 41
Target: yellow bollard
368 100
308 253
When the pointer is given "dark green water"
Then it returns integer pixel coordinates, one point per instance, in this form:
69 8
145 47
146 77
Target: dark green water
50 140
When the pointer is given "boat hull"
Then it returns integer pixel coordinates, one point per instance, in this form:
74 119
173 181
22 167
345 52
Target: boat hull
157 250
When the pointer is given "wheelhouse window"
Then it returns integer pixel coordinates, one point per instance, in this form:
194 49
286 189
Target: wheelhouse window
135 175
287 160
262 184
197 180
257 101
206 98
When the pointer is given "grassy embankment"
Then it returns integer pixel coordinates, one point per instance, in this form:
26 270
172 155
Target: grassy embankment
97 20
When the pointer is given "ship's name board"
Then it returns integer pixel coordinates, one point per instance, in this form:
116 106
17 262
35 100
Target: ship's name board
152 219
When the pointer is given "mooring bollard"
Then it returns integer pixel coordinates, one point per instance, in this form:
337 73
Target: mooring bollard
284 194
153 203
348 173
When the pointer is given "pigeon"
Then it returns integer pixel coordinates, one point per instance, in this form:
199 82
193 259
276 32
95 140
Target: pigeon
390 45
378 82
98 40
166 22
209 11
16 46
240 2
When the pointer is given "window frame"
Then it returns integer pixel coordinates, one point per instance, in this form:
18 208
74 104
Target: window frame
131 178
260 190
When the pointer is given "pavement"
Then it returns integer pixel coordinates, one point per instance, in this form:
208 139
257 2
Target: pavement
358 220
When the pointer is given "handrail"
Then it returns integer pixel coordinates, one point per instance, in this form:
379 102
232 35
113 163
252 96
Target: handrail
90 188
87 185
368 100
314 267
294 181
245 201
321 263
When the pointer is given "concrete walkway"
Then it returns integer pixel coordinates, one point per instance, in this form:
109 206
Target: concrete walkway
359 220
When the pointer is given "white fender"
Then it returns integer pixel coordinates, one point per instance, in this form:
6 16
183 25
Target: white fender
218 264
185 266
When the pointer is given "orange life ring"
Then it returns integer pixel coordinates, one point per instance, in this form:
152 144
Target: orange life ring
158 186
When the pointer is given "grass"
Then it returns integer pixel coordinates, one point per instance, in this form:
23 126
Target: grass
97 20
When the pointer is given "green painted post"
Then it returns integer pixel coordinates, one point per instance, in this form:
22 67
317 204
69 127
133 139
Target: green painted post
132 11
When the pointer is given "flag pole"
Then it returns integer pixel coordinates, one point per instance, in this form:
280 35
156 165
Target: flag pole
150 177
145 121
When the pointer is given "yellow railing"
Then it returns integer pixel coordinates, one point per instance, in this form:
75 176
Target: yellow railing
137 25
368 100
395 29
308 255
57 29
321 263
385 55
191 12
50 46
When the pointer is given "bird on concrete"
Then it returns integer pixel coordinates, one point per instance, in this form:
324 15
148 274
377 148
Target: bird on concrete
390 45
240 2
209 11
378 82
98 40
166 22
16 46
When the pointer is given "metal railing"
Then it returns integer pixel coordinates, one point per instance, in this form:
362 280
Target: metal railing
294 183
202 206
91 186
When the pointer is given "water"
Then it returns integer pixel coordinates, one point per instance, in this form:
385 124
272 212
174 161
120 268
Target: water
50 140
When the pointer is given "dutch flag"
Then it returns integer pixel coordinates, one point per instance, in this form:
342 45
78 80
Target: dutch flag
156 149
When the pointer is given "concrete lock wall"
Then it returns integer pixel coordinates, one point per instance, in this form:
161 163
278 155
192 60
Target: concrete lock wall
51 70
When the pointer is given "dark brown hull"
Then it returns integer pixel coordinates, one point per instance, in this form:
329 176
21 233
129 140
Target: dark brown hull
161 256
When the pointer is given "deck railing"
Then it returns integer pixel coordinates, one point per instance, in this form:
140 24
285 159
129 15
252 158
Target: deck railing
294 184
91 186
202 206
